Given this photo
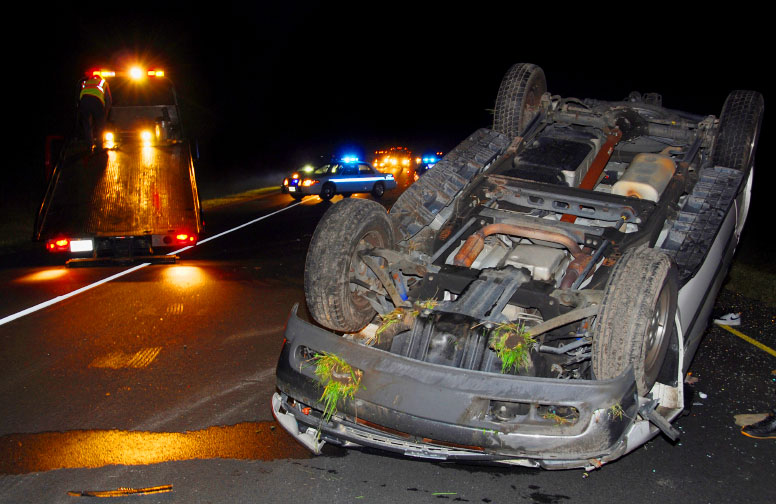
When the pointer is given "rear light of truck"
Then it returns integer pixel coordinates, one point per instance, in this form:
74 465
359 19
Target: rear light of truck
185 239
58 245
63 244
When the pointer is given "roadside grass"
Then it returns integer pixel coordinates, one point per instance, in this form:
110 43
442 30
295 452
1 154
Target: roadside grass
755 281
241 197
16 226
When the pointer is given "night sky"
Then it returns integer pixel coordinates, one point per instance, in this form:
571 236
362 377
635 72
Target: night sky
265 89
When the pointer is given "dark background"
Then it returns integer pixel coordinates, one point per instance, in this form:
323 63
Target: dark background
266 87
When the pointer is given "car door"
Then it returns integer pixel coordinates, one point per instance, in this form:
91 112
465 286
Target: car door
347 179
367 176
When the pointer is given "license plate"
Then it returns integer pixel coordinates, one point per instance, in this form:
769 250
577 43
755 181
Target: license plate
292 189
81 246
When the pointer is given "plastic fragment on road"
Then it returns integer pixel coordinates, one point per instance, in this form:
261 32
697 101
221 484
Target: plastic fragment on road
745 419
121 491
729 319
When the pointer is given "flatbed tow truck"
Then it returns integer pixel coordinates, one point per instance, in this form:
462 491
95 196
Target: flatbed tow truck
134 198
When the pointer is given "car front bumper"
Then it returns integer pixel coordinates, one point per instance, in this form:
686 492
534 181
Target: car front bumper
430 411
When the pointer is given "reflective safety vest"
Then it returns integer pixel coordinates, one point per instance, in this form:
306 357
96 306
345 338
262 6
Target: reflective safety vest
95 86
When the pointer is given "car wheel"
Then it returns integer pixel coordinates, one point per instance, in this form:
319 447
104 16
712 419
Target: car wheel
297 196
519 98
636 319
378 190
335 276
420 203
739 130
327 191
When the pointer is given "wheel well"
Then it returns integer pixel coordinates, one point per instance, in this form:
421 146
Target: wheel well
668 372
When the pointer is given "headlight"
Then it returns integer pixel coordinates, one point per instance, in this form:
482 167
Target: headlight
146 136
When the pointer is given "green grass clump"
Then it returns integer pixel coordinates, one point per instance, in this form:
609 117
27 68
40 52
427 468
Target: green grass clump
388 320
616 412
556 418
512 343
339 380
399 314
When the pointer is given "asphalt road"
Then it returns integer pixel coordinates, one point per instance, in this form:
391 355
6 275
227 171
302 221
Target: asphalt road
163 376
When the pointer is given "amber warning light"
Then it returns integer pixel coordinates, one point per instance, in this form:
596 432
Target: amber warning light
135 73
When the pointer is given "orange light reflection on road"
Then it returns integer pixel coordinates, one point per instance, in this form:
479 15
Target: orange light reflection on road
43 275
25 453
184 277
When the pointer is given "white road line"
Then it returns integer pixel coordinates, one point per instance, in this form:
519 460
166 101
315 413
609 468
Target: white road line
120 274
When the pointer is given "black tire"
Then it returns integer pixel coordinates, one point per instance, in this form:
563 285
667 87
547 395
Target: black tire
297 196
419 204
636 319
519 98
327 191
378 190
739 130
332 263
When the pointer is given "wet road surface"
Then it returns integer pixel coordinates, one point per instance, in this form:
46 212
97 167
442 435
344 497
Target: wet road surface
164 376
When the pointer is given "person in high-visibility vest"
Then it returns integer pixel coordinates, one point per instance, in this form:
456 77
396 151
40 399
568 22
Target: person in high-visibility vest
93 107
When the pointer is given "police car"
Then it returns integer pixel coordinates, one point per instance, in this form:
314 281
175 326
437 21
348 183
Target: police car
347 176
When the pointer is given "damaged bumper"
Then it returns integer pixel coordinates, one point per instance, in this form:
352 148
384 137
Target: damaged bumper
431 411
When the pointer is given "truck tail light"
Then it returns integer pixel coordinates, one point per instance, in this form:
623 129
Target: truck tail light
185 239
58 245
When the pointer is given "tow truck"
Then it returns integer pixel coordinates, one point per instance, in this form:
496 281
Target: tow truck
135 197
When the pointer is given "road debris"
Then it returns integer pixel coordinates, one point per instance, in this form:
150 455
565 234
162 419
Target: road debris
121 491
744 419
729 319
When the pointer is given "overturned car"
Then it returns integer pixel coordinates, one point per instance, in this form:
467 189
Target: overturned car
536 298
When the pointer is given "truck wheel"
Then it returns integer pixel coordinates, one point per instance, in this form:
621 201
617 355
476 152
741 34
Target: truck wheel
636 318
327 191
519 98
334 275
420 203
739 130
378 190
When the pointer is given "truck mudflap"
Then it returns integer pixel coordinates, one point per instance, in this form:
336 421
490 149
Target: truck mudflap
436 412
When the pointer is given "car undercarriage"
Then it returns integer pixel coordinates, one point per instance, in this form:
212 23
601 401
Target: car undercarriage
536 297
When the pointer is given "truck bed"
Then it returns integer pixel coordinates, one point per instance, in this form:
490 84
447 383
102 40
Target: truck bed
134 190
